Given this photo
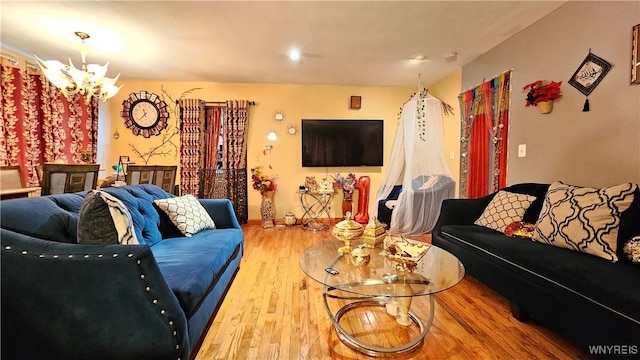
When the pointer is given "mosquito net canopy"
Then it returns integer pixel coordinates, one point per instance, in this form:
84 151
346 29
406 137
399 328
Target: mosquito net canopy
417 164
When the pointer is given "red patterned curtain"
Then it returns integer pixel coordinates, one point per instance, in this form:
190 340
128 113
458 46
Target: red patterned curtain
40 125
483 137
190 133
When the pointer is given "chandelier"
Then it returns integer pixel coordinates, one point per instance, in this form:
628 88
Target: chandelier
89 81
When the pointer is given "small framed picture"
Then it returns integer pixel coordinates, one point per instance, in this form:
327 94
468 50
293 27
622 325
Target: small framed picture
635 55
589 73
355 102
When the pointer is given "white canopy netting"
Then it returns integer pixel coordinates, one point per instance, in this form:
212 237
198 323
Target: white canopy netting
417 170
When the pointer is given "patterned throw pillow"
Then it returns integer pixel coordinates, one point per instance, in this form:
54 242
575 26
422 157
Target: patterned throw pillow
504 209
632 249
584 219
103 219
186 213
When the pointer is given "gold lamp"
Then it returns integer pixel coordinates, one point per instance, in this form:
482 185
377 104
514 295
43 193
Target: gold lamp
89 81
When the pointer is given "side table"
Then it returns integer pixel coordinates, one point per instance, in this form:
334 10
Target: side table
314 204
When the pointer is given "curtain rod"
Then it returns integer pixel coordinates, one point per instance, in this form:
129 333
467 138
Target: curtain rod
221 102
484 81
16 62
224 102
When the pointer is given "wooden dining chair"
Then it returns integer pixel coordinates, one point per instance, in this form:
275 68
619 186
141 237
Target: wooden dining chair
68 178
163 176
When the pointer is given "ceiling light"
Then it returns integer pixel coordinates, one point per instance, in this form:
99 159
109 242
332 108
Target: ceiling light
294 55
88 81
420 57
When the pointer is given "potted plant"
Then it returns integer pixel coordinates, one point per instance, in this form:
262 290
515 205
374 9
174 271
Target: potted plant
541 93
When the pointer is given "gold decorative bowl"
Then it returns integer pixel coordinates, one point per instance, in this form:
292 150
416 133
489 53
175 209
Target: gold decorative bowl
360 256
347 230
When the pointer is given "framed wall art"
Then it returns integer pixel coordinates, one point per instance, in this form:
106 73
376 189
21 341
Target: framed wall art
589 73
635 55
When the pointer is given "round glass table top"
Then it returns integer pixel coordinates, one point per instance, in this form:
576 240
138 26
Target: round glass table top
436 271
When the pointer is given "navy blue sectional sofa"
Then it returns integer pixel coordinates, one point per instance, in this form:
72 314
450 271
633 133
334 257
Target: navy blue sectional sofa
64 300
587 299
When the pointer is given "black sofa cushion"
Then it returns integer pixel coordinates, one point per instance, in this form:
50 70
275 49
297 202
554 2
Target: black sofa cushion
590 277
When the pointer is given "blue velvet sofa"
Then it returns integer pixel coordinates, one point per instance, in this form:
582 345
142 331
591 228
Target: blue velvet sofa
587 299
64 300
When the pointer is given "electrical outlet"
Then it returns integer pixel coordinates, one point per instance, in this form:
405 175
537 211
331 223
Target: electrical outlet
452 155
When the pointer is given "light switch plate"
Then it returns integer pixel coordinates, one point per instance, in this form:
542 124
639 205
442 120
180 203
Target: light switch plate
522 150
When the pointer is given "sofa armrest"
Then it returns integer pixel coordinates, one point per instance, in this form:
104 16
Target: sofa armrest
461 211
62 300
221 211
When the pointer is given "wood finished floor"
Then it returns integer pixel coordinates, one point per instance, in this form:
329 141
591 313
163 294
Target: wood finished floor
273 311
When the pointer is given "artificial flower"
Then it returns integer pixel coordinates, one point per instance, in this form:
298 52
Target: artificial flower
541 90
347 184
261 181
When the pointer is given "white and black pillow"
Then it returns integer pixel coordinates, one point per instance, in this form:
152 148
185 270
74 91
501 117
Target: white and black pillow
584 219
505 208
186 213
104 219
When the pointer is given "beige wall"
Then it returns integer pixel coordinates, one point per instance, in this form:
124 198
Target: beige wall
297 101
596 148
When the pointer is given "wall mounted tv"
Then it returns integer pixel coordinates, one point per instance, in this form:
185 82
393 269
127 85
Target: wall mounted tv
334 143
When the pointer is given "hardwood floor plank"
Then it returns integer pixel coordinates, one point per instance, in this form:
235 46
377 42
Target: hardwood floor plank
274 311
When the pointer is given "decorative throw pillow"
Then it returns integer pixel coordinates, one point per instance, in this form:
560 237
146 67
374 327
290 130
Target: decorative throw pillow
103 219
186 213
632 249
504 209
583 219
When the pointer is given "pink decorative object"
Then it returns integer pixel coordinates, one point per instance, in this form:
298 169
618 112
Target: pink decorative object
362 216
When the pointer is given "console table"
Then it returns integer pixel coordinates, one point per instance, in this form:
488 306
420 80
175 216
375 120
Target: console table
314 205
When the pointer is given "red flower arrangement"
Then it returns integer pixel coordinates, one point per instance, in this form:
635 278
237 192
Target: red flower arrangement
542 90
262 182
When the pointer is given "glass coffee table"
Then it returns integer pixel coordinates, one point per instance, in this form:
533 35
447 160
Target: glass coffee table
379 284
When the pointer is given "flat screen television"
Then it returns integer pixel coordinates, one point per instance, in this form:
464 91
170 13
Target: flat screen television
335 143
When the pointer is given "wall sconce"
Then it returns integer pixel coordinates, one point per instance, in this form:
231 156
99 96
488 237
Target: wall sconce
116 135
272 136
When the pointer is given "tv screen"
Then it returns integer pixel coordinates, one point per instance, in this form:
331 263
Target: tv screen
342 143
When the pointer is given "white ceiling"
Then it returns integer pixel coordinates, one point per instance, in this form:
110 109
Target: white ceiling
362 43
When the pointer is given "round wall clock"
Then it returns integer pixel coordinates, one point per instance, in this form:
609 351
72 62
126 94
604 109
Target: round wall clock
144 113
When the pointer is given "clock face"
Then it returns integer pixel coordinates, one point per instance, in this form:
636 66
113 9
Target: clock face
144 113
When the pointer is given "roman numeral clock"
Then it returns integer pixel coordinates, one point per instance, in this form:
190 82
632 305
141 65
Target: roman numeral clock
144 113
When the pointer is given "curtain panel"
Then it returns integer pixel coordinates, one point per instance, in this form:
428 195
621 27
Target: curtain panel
234 155
190 142
40 125
484 136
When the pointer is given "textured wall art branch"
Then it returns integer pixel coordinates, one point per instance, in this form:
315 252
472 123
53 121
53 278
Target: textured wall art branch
167 146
